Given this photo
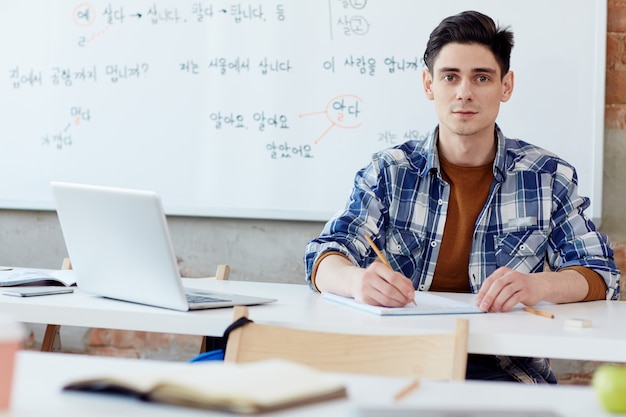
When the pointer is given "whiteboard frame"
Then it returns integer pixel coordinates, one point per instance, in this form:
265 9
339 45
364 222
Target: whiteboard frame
596 154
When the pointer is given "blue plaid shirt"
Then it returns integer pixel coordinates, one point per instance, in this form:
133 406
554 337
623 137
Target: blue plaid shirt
533 216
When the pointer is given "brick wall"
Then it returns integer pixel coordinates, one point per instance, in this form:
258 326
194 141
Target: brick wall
615 117
144 345
615 109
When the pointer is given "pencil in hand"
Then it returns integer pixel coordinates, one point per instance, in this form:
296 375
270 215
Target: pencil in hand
382 257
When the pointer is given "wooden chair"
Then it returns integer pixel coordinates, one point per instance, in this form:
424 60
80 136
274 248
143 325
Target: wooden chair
52 336
432 356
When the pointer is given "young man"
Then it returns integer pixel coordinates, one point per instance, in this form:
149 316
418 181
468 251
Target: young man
468 209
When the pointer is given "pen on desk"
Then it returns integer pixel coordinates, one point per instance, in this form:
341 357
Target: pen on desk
539 312
406 390
381 256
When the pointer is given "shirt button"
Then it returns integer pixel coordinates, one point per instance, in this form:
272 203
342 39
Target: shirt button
433 244
440 201
422 287
522 247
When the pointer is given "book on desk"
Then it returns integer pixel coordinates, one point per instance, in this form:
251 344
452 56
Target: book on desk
247 388
13 277
425 303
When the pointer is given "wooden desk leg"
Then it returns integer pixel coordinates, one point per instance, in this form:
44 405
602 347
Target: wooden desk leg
52 339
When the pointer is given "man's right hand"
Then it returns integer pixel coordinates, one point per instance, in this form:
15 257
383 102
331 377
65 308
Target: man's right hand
375 285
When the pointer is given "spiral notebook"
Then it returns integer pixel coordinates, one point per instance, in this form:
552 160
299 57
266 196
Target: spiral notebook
425 303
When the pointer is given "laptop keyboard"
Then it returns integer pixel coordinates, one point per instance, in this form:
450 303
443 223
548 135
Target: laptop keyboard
200 298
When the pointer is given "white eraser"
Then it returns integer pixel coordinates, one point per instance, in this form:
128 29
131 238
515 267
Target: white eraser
578 323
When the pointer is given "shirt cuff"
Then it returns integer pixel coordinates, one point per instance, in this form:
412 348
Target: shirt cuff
597 286
317 264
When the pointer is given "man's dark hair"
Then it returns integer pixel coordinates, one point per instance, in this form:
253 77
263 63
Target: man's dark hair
471 27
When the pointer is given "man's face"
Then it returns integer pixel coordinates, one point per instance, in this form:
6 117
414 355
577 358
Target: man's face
467 89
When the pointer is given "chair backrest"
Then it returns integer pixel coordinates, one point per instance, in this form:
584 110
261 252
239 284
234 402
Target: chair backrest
440 356
223 272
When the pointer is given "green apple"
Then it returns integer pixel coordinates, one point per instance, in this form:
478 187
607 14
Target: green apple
609 383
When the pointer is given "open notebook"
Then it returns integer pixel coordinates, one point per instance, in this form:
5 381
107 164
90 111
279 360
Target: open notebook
244 388
425 303
120 247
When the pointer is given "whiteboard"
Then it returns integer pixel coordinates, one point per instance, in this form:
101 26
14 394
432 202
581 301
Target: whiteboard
266 109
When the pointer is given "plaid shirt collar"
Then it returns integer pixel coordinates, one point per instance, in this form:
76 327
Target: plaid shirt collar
430 150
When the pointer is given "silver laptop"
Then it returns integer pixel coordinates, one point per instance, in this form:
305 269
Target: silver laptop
120 247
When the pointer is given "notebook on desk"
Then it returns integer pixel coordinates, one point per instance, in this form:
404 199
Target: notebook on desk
120 248
426 303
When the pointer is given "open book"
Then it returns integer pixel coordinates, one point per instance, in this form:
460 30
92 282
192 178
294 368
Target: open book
425 303
247 388
11 277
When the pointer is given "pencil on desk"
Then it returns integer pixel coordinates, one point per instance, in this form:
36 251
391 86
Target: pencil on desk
406 390
381 257
539 312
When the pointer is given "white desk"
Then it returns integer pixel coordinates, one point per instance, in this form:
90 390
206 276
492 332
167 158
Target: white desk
40 376
512 333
